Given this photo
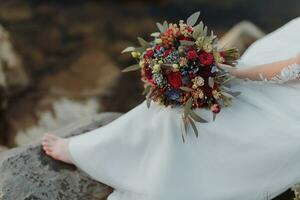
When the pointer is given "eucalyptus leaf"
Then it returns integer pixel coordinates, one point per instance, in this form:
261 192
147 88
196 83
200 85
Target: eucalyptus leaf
128 49
156 34
141 49
211 82
197 31
143 42
186 43
192 20
225 67
194 127
228 80
132 68
188 106
165 26
227 94
148 102
186 89
204 33
214 116
146 90
197 118
235 94
160 27
148 97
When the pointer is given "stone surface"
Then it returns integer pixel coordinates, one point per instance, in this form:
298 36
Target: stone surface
28 174
3 148
12 73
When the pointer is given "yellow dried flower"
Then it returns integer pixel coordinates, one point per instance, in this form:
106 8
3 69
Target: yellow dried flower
199 42
198 81
218 58
175 66
156 68
134 54
198 94
158 41
216 94
207 47
182 62
142 63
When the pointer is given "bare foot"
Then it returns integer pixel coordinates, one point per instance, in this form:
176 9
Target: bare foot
57 148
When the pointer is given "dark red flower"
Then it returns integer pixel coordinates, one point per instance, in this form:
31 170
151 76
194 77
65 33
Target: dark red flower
215 108
206 58
182 37
222 54
167 52
158 47
149 54
191 55
148 73
175 79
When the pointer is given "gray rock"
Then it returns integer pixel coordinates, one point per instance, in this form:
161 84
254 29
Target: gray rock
28 174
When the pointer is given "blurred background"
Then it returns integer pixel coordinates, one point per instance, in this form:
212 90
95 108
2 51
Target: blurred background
60 60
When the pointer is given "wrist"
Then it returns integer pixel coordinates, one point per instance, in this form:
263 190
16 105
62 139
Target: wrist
297 59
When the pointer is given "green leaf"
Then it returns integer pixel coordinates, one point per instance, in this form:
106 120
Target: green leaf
156 34
192 20
204 33
148 97
197 118
128 49
141 49
227 94
185 124
186 89
188 106
198 30
148 102
235 94
194 127
165 26
211 82
146 90
186 43
214 116
143 42
132 68
160 27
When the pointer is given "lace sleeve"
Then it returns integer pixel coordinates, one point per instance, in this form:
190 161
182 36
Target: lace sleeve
288 73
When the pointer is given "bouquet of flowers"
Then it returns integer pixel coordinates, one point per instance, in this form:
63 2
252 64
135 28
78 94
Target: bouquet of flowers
183 66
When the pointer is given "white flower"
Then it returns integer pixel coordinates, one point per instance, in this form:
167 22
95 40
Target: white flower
156 68
158 41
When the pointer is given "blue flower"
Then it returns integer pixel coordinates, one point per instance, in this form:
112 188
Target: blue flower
173 95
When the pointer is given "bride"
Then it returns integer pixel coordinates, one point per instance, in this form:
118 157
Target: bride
251 151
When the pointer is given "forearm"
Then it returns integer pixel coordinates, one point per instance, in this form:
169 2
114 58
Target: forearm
266 70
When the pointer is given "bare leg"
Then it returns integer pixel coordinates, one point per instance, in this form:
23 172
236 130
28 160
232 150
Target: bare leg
57 148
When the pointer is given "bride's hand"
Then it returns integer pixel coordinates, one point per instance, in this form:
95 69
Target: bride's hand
298 59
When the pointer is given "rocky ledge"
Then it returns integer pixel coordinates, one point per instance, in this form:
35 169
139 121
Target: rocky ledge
28 174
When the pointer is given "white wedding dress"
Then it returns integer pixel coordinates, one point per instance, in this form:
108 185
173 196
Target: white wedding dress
251 151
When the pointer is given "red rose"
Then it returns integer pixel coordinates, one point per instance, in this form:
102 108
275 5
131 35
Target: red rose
175 79
206 58
149 54
191 55
215 108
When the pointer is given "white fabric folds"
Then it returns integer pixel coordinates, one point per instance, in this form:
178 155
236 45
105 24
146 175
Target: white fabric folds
251 151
